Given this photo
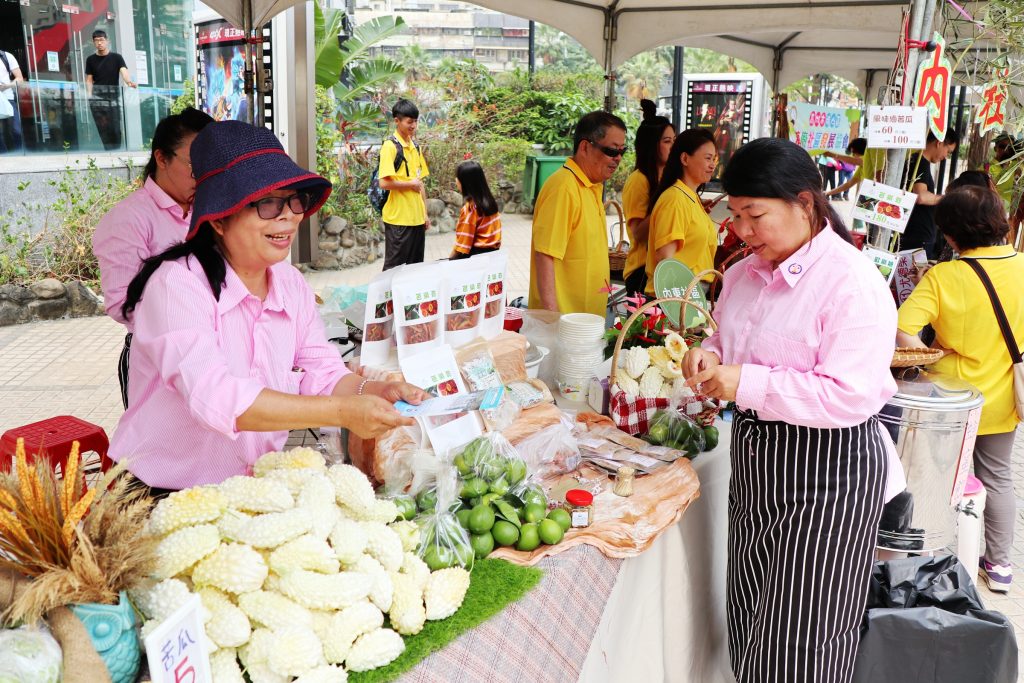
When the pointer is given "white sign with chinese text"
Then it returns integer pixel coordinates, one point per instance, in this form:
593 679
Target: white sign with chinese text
177 73
176 649
815 127
52 61
897 127
882 205
141 67
885 261
906 267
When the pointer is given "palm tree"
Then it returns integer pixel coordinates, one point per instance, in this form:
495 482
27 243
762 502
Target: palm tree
642 76
415 60
367 77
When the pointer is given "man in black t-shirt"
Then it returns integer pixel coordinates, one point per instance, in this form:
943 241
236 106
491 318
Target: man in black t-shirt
103 71
921 232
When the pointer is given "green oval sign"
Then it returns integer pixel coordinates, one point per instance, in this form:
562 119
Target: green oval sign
671 278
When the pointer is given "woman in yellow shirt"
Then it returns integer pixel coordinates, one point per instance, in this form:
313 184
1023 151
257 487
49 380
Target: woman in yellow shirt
952 298
654 140
680 228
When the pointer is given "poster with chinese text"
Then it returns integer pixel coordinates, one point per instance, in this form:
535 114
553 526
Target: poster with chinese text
816 127
884 206
723 107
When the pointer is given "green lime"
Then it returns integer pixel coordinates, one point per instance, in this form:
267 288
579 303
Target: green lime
534 512
561 515
462 554
476 500
406 506
515 470
489 498
658 433
534 494
550 531
481 519
461 465
505 533
463 516
482 544
499 486
710 437
474 487
438 557
426 500
529 538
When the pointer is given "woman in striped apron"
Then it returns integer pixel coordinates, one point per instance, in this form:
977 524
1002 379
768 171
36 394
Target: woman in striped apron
806 328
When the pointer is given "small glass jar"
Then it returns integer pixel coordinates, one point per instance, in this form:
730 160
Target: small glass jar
581 507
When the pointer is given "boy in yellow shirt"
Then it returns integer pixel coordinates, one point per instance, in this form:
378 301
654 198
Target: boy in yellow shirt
405 213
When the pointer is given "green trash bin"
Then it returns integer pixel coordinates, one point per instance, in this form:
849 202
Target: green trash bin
536 172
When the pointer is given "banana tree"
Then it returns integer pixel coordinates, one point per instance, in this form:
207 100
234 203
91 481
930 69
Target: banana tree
366 76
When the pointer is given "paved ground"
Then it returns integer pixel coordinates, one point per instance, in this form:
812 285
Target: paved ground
68 367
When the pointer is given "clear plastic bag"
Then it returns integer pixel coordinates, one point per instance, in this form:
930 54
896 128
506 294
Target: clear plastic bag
552 450
489 466
445 543
671 428
30 654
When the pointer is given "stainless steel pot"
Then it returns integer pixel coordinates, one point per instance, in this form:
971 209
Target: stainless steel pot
933 419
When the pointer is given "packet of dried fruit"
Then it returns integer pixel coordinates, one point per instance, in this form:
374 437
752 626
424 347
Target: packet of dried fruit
463 303
418 292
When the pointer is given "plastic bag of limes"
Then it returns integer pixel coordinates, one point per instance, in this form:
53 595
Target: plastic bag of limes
444 542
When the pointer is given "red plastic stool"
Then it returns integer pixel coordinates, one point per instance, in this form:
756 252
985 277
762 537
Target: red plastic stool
53 437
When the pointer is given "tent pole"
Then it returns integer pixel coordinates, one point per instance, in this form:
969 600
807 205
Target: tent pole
248 76
610 23
678 54
922 16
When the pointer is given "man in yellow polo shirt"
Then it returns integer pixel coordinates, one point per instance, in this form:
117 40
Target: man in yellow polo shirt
569 252
405 212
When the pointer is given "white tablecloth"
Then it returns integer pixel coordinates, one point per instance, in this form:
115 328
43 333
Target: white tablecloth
665 617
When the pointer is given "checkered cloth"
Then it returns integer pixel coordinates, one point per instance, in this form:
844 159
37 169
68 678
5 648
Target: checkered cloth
633 413
543 637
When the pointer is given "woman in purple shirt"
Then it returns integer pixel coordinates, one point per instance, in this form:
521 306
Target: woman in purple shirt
229 352
806 325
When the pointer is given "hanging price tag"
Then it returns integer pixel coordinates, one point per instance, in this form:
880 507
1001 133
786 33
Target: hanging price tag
897 127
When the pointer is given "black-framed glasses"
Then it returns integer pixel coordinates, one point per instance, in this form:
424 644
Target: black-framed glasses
271 207
609 151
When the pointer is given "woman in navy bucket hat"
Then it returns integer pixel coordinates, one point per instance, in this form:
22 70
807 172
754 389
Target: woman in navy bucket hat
229 352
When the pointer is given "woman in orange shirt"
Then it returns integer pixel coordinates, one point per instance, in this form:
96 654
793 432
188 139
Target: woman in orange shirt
479 228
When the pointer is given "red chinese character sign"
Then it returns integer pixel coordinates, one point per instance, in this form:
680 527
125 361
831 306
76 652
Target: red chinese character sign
933 80
992 114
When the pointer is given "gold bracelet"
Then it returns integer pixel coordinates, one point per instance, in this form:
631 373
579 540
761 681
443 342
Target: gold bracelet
362 385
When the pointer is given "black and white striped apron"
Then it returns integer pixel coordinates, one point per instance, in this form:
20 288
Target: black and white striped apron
804 505
122 369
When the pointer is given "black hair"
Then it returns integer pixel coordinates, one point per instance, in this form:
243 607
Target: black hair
594 126
857 146
689 141
171 131
404 107
952 137
649 109
774 168
971 179
474 186
203 246
972 217
646 144
99 33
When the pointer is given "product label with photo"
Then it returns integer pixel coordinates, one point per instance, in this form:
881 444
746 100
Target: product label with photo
884 206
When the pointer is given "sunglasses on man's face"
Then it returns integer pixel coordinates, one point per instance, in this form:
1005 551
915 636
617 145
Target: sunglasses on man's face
609 151
269 208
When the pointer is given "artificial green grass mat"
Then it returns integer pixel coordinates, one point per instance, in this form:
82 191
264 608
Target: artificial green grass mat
494 585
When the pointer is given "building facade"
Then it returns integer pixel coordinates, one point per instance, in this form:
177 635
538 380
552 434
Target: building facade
51 42
453 29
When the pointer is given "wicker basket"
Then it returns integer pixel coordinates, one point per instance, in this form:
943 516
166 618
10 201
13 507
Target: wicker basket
617 255
911 357
704 416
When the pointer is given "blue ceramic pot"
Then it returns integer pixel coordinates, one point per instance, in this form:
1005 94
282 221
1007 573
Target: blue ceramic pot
113 634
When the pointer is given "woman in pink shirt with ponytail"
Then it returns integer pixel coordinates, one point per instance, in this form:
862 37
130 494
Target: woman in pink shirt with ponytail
149 220
806 325
229 352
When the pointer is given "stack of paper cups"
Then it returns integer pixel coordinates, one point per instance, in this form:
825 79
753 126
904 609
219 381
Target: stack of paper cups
581 349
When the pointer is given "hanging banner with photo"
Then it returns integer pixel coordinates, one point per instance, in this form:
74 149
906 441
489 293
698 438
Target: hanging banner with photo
884 206
885 261
723 107
933 80
816 127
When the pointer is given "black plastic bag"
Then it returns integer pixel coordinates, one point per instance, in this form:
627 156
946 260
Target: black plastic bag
925 623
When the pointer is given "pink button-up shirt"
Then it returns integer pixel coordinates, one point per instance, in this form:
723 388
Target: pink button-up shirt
198 363
144 224
814 337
